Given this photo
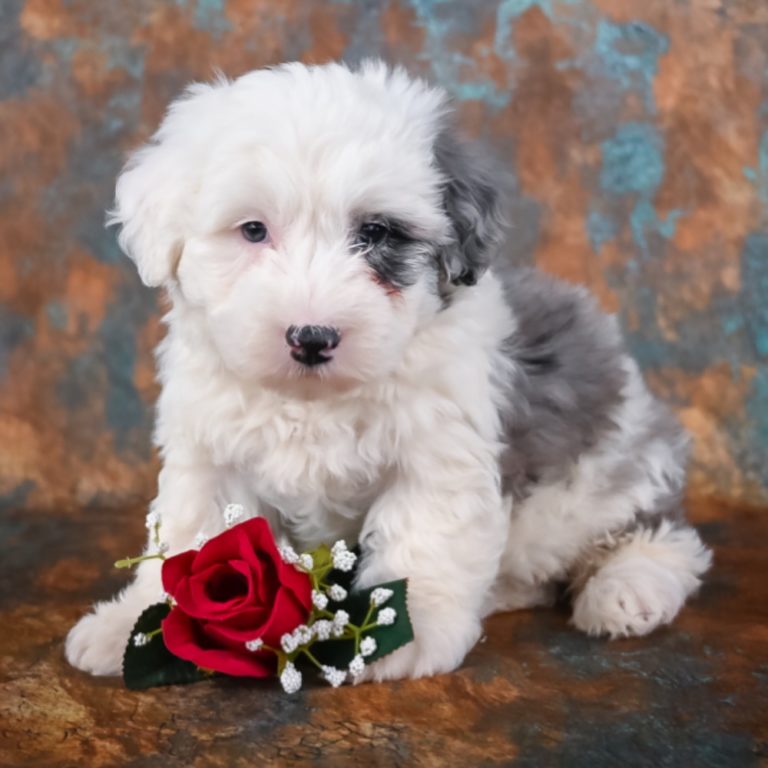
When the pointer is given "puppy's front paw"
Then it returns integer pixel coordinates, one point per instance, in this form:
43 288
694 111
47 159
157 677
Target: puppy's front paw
431 653
97 642
631 597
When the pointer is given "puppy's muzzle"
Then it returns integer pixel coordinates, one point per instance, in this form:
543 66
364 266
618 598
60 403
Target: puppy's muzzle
312 344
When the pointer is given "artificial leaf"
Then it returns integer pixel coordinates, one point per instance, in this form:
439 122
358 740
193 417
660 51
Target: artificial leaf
321 556
339 653
149 665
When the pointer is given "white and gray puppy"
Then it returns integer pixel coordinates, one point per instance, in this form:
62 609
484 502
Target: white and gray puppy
343 359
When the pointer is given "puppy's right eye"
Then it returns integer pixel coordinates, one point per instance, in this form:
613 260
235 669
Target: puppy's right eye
371 233
254 231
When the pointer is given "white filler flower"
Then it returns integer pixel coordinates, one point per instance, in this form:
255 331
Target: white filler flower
290 678
337 592
233 514
386 617
288 553
334 676
357 666
367 646
380 595
343 559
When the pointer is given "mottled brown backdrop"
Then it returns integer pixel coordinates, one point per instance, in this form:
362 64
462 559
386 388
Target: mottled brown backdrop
636 131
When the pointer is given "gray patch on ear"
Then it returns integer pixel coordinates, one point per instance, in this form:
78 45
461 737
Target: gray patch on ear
569 355
474 197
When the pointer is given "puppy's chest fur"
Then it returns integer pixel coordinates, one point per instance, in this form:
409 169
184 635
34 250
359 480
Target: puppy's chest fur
315 467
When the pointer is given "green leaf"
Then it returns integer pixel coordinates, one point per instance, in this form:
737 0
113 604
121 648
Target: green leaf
153 664
321 556
339 653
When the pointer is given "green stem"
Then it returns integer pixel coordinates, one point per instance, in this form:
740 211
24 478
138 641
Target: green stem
363 627
129 562
306 652
269 648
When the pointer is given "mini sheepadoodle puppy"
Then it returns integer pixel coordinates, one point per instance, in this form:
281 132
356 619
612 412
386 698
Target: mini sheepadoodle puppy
344 358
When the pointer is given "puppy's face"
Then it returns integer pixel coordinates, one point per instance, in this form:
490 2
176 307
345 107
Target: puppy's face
305 215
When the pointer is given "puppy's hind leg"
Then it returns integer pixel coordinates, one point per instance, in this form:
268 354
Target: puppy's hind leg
638 581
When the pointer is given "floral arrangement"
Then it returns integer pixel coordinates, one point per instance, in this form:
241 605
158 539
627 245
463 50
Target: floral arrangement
240 605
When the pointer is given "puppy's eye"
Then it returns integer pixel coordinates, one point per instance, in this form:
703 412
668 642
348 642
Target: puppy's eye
371 233
254 231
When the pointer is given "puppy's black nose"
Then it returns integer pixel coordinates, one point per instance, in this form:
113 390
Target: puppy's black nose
311 344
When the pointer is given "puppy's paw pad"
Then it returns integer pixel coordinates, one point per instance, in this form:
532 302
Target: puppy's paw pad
630 597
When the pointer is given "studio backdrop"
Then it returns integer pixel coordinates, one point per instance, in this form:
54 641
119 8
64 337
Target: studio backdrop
636 133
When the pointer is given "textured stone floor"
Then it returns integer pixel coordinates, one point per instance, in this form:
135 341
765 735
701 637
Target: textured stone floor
534 693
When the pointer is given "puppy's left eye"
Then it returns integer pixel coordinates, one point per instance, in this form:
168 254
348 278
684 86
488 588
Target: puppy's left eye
254 231
371 233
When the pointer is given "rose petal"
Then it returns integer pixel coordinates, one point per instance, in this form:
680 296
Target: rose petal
194 594
175 569
249 619
182 638
267 585
298 582
287 614
219 549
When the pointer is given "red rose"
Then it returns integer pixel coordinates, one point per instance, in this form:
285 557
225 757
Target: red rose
236 588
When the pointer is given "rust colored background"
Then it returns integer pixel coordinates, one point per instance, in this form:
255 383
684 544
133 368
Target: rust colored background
637 134
636 130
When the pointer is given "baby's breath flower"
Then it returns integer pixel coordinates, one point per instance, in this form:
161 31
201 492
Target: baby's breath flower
319 600
380 595
302 634
140 639
339 546
322 629
200 540
163 547
153 519
340 621
337 592
368 646
288 553
290 678
288 642
386 617
255 644
334 676
233 514
357 666
165 597
306 562
344 561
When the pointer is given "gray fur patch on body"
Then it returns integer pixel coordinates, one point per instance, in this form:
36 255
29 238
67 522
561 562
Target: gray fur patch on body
571 380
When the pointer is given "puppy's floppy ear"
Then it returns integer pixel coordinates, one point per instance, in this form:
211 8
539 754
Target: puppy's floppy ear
157 183
146 207
474 197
